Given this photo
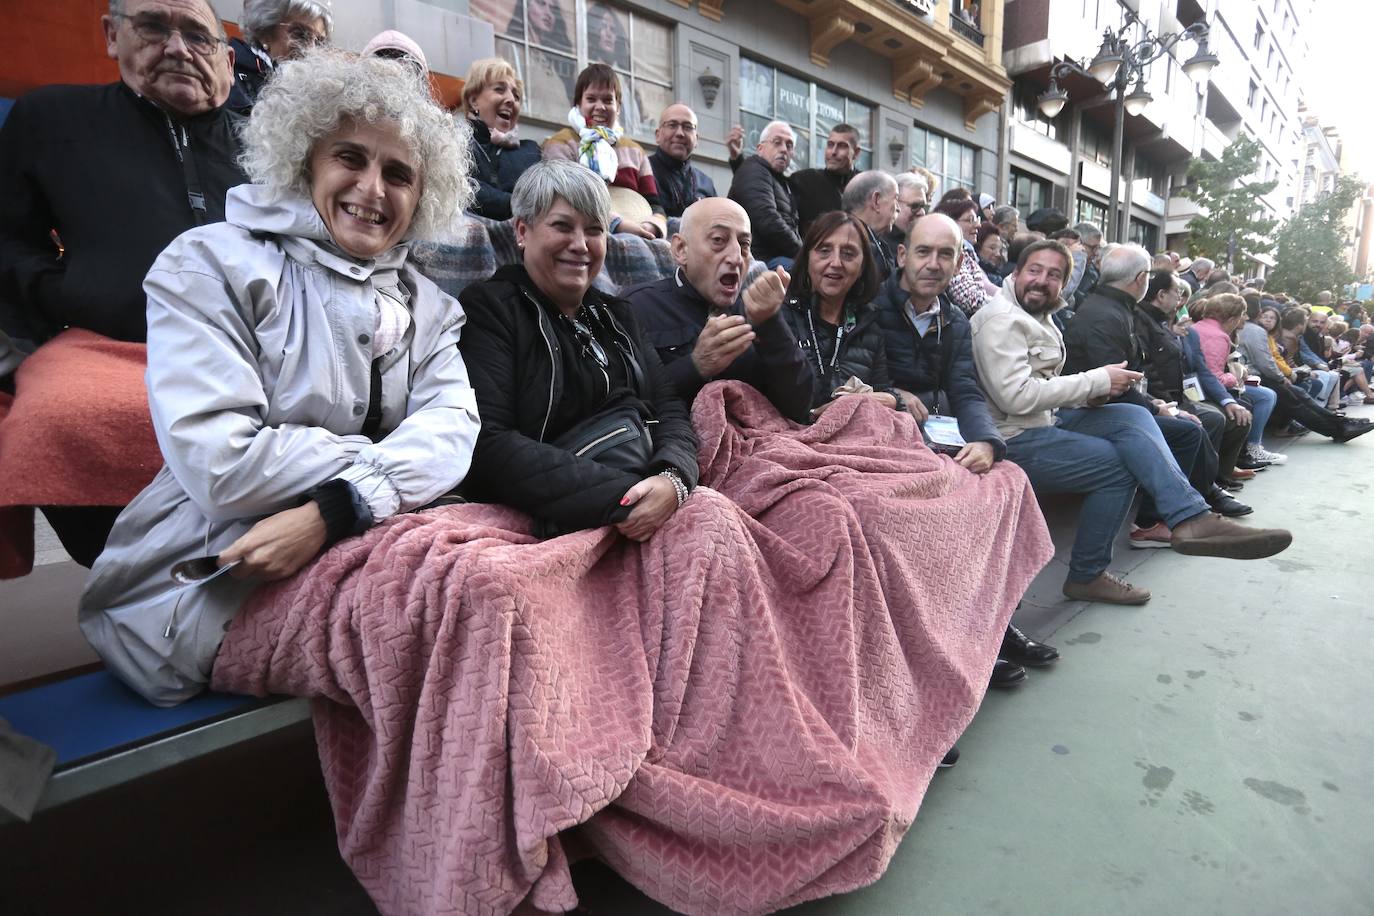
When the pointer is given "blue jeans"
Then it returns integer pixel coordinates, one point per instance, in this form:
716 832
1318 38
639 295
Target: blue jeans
1104 453
1321 384
1262 400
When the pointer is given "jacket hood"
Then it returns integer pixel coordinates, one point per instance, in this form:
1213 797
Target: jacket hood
265 211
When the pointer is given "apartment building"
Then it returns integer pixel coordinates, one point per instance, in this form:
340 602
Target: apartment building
1067 161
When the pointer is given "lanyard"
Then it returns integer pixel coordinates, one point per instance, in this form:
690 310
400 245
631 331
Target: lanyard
843 329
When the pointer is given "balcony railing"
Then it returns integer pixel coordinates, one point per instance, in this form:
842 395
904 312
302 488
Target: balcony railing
964 30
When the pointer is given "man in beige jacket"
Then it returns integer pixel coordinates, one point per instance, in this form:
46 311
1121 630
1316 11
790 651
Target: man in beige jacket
1068 439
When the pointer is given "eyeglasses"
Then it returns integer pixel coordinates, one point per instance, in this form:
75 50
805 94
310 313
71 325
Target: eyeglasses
303 37
684 126
158 32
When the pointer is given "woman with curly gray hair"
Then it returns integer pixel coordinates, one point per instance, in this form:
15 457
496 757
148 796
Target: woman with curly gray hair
274 31
304 378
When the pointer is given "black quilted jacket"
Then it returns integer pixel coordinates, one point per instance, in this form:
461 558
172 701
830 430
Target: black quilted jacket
507 345
767 197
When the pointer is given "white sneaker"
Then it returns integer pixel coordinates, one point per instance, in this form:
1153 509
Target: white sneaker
1356 397
1260 453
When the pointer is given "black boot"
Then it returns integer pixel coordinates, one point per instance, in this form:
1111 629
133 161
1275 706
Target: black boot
1020 648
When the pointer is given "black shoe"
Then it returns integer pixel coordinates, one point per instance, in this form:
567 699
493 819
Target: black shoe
1350 429
1020 648
1230 485
1006 674
1246 463
1224 503
950 759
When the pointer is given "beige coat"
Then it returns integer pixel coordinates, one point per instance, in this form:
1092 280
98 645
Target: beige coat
1019 358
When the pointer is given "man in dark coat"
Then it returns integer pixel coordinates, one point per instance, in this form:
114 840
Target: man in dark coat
872 198
680 184
706 326
820 191
1104 329
760 186
930 354
117 170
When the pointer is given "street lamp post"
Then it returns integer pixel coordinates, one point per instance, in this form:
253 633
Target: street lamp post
1116 65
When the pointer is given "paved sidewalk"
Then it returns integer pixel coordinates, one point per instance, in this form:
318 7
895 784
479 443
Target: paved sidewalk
1208 753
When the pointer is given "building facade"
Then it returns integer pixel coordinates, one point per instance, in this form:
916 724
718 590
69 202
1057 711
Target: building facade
1067 161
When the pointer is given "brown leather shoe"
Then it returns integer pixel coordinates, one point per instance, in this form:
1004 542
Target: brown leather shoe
1108 589
1210 535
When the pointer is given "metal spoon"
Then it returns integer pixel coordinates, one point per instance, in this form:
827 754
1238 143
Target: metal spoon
200 570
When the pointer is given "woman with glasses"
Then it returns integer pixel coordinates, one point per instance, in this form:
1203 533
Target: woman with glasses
274 31
970 287
829 310
559 367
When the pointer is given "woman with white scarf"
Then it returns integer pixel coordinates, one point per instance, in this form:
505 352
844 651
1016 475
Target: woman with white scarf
595 138
492 99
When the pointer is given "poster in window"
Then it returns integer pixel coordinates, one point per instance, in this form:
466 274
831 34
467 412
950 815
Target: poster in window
756 89
966 166
794 100
653 53
861 117
652 100
829 110
512 52
549 24
549 85
506 16
608 36
801 156
935 153
753 128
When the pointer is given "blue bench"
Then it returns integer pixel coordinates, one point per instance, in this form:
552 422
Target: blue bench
105 734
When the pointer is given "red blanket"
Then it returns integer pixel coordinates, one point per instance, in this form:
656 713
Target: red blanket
77 434
742 713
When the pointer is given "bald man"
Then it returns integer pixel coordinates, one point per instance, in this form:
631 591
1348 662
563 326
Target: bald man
706 325
680 184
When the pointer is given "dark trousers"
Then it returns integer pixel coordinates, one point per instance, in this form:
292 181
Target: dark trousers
1226 435
82 530
1296 404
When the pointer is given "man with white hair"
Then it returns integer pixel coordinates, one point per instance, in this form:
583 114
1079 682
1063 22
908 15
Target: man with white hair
117 171
1197 273
913 199
872 197
1105 331
706 324
760 186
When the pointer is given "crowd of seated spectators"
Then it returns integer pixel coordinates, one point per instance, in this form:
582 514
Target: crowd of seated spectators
1146 384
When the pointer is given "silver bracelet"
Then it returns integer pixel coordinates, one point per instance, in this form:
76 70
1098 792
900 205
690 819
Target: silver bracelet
679 487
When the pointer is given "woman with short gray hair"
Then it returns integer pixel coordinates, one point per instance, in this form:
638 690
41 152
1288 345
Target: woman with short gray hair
581 424
274 31
304 378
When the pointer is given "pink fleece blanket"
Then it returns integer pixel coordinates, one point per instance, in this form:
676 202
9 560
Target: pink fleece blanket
742 713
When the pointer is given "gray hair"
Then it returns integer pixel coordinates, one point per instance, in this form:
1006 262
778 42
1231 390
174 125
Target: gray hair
543 183
1088 231
262 16
911 180
1123 263
863 186
312 97
1005 214
1202 264
773 127
117 9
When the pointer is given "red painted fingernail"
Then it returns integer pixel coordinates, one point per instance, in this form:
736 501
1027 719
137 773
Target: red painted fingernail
625 500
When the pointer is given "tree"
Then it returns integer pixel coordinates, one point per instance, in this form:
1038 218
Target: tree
1228 221
1311 244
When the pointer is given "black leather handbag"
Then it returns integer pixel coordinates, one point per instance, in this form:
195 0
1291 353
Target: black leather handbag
617 437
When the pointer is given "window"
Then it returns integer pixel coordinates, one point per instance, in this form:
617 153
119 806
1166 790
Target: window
1091 212
1144 234
1250 97
1026 109
1259 35
543 40
1095 143
1027 193
1152 173
952 162
768 94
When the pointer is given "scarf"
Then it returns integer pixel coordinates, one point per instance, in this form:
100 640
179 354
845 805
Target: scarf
596 145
